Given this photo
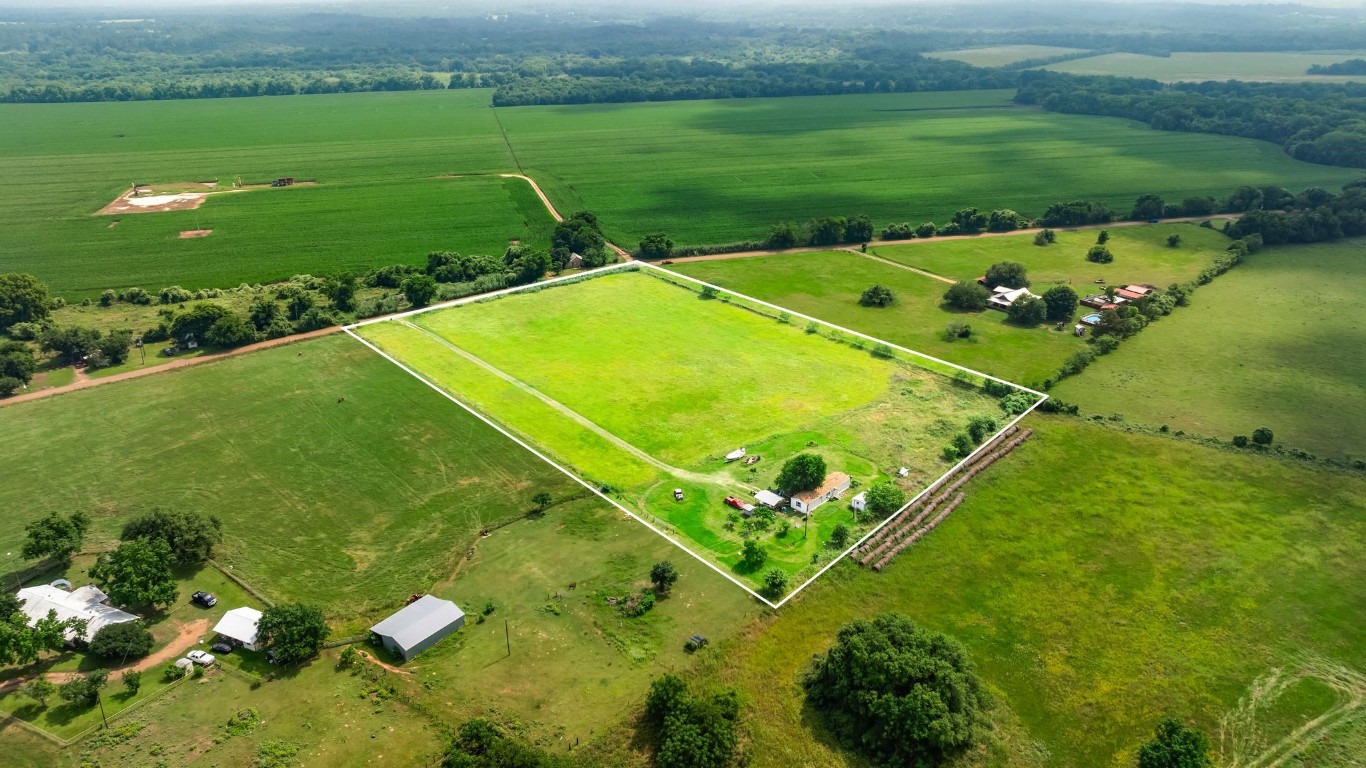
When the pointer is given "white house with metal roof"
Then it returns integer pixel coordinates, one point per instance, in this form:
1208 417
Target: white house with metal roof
418 626
87 603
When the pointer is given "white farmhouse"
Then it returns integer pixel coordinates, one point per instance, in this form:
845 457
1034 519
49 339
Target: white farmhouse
86 603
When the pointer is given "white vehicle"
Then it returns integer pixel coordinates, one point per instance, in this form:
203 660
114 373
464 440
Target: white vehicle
202 658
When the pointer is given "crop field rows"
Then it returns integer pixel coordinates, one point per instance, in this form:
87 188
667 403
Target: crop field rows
752 378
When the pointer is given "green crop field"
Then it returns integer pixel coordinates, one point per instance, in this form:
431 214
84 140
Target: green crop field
1276 342
1001 55
720 171
373 156
1270 66
642 385
343 502
1102 581
828 285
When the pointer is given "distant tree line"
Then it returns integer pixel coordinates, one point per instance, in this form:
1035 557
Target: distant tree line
1316 122
1348 67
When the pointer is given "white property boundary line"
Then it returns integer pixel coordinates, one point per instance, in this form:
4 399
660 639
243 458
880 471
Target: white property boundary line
635 265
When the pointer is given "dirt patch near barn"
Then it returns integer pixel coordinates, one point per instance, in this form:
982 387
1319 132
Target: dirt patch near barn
187 234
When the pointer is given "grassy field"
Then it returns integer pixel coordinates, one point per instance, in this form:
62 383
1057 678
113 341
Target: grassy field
1094 612
1273 343
1269 66
1001 55
376 203
701 378
347 503
719 171
828 285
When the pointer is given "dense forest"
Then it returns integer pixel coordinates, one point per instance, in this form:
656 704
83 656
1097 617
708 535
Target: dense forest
1316 122
595 54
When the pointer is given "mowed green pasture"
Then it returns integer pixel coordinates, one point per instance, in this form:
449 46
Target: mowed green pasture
376 203
1101 581
1001 55
722 171
1185 66
641 386
339 479
1276 342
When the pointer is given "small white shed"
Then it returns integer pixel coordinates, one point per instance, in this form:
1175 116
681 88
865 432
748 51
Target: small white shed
239 626
860 502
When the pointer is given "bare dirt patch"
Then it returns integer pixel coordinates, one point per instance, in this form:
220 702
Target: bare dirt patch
187 234
144 200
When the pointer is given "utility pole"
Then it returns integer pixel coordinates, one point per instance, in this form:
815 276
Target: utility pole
100 700
507 636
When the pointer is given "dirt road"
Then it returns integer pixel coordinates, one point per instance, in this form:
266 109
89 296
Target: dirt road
555 214
86 383
185 639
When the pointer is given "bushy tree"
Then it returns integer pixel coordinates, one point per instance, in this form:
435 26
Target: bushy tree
1175 746
197 320
23 299
839 536
979 427
17 362
826 231
1173 241
784 235
1016 403
656 246
1045 237
878 296
84 691
293 631
529 264
1005 220
928 229
39 689
419 289
132 680
1147 207
56 536
581 234
1099 254
967 297
883 498
22 643
968 221
803 472
663 575
229 331
1103 237
1061 302
115 346
171 294
123 641
693 732
263 312
314 319
775 582
189 535
297 303
1262 436
340 289
1027 311
137 572
897 692
1011 274
752 556
70 343
858 229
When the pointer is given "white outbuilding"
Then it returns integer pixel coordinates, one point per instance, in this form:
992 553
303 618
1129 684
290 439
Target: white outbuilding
239 626
860 502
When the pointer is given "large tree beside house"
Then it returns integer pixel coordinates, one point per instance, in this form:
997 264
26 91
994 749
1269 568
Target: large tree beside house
803 472
138 572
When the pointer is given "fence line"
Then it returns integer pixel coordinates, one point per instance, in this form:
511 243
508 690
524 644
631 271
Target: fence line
234 578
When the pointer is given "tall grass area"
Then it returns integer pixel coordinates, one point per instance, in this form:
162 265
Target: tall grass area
722 171
1274 343
338 478
373 155
1101 581
1271 66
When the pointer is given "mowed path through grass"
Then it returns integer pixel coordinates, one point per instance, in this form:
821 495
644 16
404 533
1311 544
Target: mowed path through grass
373 155
721 171
1101 581
1276 342
339 479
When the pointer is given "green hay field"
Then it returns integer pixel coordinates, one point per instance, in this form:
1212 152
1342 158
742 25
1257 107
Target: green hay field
722 171
1276 342
1269 66
346 503
1102 581
643 386
1001 55
828 285
376 203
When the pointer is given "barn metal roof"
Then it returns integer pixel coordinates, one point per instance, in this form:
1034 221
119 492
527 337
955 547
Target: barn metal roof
418 621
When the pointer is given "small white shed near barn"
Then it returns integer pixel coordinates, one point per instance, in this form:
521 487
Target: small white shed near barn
420 625
239 626
769 499
860 502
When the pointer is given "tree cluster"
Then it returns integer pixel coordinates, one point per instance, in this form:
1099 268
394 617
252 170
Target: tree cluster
292 631
478 744
692 731
898 693
823 231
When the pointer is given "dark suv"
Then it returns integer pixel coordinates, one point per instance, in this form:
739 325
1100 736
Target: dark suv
205 599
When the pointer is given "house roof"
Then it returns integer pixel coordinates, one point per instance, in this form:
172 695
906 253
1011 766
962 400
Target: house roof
833 481
1009 295
1141 290
85 603
1127 294
768 498
239 624
418 621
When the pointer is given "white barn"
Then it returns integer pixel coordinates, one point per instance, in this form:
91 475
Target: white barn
418 626
86 603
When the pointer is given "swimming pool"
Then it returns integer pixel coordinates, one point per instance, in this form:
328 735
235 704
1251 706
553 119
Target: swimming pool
1092 318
